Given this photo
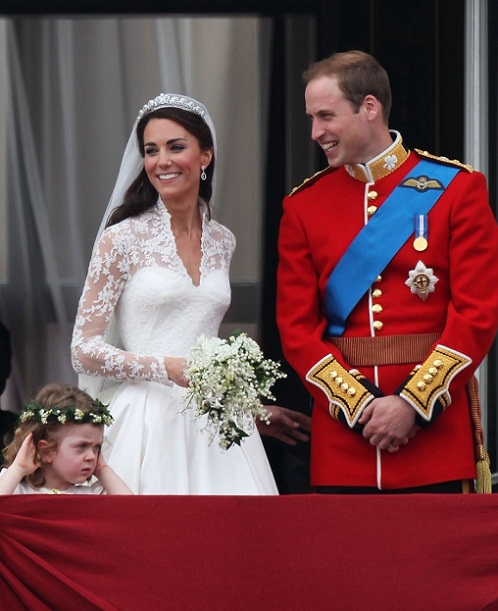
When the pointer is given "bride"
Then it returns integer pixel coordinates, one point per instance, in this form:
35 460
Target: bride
158 280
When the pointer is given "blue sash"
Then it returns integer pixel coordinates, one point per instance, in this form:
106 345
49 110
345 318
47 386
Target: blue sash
380 239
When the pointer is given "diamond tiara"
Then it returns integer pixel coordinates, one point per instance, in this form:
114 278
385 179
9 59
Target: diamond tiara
165 100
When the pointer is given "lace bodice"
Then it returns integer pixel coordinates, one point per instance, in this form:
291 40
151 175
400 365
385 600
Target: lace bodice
137 280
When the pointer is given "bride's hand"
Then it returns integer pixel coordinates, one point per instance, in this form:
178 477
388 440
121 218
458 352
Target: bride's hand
175 368
288 425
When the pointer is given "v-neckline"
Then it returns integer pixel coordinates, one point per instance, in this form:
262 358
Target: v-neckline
177 254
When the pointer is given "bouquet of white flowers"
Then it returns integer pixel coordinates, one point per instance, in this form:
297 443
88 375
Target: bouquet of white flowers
227 379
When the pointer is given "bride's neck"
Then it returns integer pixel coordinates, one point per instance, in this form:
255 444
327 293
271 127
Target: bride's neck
187 223
185 219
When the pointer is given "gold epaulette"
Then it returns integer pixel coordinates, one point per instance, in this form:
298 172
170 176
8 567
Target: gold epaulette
430 382
453 162
310 180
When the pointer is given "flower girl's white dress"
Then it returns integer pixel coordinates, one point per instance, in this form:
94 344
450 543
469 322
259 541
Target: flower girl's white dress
137 281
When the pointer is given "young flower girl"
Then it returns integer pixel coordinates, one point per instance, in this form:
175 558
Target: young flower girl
56 448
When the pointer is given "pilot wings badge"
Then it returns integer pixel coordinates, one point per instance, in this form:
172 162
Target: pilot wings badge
421 280
422 183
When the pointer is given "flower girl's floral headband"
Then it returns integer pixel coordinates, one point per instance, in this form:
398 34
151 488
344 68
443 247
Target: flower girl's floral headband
98 415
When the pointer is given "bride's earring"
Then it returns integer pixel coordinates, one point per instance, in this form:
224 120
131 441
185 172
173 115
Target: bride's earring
203 173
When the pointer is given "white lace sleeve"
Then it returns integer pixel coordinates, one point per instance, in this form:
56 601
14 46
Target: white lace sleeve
90 352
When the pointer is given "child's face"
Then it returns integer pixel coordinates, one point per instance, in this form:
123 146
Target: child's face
76 456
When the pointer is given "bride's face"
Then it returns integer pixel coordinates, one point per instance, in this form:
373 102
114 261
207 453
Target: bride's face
173 160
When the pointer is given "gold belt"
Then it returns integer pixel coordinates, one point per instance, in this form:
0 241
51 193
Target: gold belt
385 350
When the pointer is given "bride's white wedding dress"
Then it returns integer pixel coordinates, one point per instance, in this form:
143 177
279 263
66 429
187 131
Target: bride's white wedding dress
136 276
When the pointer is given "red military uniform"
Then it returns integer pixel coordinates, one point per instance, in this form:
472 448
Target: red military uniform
456 316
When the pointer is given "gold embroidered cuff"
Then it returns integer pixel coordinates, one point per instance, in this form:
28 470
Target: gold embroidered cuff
430 381
346 394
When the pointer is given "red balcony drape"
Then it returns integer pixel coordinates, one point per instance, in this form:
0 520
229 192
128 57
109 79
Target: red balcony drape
410 552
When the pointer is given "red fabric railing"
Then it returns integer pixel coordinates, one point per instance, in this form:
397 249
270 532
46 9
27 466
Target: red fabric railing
410 552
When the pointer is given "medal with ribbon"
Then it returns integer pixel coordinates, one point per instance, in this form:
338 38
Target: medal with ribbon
420 242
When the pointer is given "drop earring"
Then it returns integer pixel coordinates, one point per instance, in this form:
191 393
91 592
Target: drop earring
203 173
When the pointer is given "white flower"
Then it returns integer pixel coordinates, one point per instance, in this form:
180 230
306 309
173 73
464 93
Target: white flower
227 379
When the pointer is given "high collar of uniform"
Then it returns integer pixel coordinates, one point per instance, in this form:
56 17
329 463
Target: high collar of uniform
382 165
